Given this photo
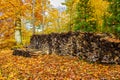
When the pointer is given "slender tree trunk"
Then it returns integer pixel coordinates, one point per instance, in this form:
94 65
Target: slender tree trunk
33 16
70 19
59 20
43 13
18 34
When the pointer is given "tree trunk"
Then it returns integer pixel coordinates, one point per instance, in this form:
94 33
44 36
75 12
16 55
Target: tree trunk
18 34
33 16
43 14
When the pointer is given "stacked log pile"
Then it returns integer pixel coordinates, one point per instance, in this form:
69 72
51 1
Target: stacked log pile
88 46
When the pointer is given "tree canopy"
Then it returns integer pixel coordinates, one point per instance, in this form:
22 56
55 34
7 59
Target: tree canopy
39 16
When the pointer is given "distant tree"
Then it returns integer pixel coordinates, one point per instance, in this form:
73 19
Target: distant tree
114 18
84 14
99 9
71 10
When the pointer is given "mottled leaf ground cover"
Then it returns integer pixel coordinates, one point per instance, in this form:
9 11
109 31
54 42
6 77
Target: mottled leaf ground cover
53 67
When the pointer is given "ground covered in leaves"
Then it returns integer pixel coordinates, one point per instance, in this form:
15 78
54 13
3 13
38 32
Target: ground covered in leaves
53 67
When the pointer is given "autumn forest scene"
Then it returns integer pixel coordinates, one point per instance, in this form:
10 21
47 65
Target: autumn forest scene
59 39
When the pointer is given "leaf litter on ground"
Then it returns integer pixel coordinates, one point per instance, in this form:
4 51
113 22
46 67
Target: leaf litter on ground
53 67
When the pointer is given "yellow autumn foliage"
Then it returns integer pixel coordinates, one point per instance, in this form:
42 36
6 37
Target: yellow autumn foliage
100 8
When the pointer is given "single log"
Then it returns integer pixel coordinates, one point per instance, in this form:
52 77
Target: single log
20 52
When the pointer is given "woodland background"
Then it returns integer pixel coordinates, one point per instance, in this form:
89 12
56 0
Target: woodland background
19 19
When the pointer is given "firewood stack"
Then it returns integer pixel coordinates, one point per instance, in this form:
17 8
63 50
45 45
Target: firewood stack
88 46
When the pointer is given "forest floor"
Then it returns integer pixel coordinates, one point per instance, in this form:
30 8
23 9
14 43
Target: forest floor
53 67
